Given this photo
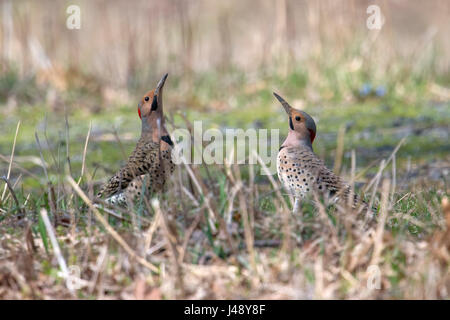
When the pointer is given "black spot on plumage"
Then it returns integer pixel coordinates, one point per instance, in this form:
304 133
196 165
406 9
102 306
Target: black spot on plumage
167 140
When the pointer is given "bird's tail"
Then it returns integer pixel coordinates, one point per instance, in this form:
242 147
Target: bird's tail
360 205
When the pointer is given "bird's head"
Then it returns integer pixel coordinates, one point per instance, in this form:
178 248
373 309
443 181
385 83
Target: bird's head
150 109
301 124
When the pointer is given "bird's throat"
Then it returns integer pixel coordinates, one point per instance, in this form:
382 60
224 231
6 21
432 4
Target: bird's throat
297 139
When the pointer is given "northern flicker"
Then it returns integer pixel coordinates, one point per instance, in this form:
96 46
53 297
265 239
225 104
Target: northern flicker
300 171
150 164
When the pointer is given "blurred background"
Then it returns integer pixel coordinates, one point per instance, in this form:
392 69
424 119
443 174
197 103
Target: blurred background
224 59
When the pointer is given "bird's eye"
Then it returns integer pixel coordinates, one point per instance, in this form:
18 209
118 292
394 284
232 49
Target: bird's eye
146 98
297 118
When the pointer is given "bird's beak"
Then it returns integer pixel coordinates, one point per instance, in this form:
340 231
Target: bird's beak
160 85
157 96
285 105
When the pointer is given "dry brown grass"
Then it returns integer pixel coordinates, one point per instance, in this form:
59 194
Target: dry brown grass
206 239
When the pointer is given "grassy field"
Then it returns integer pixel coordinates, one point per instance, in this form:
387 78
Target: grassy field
226 231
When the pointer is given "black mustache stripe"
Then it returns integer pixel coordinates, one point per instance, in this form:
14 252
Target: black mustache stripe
291 125
155 103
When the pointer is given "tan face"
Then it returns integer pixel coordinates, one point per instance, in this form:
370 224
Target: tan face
151 103
299 121
145 105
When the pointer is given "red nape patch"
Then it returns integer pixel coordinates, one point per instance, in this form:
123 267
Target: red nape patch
139 112
312 134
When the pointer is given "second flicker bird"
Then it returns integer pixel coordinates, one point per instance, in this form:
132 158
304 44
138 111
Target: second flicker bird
300 171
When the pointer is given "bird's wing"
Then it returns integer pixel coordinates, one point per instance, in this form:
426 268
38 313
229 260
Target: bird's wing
140 162
324 176
331 183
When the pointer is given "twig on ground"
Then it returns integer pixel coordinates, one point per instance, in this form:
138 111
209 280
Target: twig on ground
111 230
11 159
